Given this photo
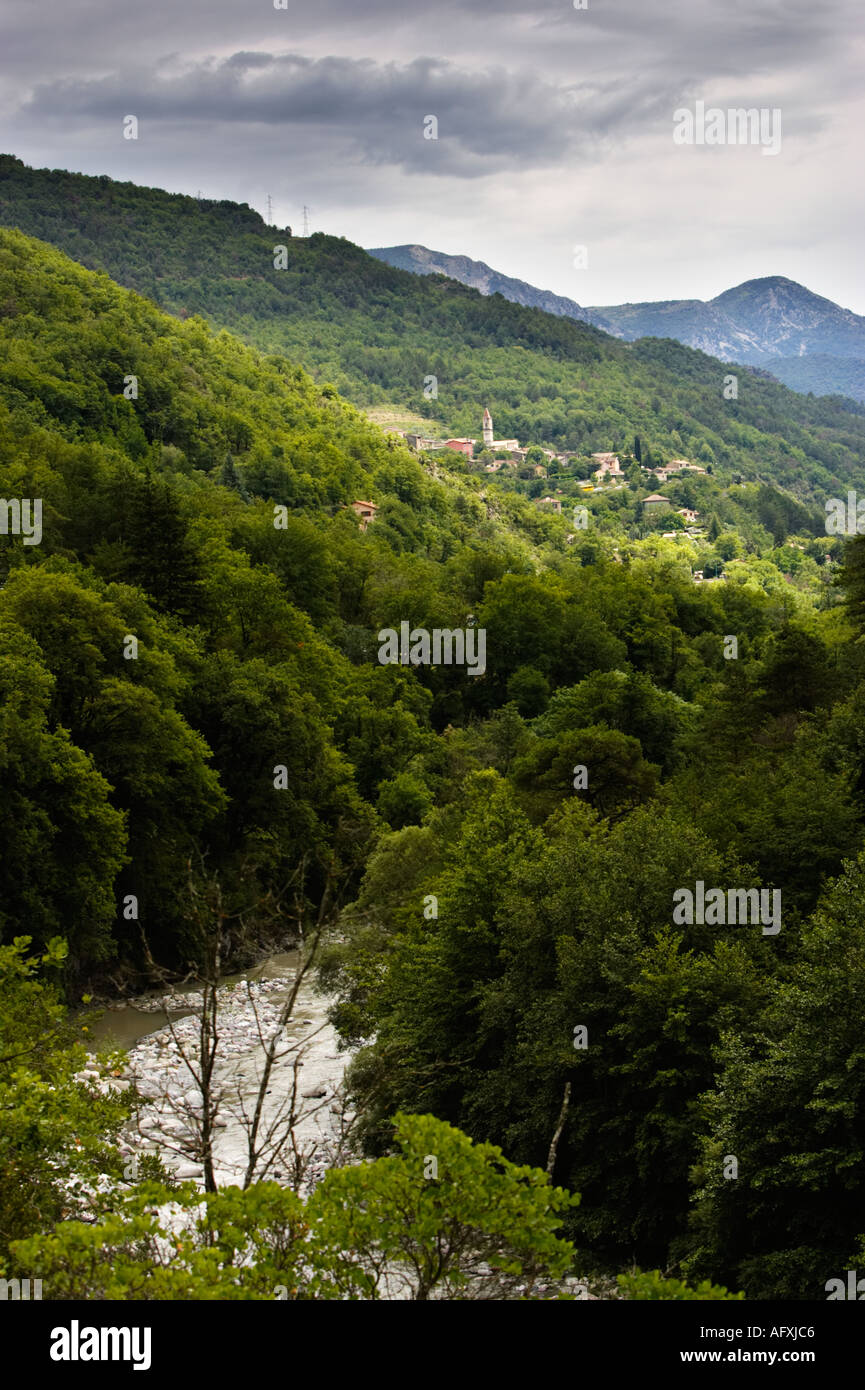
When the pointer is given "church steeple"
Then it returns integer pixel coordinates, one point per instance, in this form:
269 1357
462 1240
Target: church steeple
488 429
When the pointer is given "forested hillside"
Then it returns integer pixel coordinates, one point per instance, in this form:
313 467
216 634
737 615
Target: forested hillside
378 334
196 498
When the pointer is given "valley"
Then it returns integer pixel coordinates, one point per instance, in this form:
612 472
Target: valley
304 655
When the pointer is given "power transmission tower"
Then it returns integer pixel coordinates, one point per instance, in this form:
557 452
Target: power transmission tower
305 220
269 211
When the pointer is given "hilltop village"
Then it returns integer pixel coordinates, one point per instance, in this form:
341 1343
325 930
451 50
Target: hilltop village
530 463
636 503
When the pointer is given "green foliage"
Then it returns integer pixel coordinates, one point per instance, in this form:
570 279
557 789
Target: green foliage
219 1246
57 1134
789 1105
63 842
469 1225
529 690
617 776
445 1218
641 1285
404 800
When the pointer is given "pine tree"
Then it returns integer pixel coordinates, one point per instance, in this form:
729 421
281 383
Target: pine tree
230 478
165 564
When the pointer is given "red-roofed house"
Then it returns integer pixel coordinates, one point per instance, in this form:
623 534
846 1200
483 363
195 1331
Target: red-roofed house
463 446
365 511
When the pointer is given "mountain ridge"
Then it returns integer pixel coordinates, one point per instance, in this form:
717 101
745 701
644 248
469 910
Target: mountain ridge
384 337
768 321
480 276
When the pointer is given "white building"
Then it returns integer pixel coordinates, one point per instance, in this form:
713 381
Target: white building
489 442
608 466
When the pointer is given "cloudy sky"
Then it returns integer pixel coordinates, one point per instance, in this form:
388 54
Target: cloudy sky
555 127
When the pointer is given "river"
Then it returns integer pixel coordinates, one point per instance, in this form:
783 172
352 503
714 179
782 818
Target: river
311 1068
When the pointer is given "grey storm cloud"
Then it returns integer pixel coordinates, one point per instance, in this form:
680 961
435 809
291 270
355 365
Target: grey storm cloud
486 120
554 124
510 82
698 38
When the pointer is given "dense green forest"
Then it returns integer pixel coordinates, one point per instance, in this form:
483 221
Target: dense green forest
378 334
196 497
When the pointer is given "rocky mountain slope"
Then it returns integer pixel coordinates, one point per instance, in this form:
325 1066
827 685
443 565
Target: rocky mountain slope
803 339
480 276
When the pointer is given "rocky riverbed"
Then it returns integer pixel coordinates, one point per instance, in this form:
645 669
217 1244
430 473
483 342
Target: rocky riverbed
303 1105
160 1031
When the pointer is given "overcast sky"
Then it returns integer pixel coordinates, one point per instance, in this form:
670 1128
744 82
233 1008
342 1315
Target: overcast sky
555 127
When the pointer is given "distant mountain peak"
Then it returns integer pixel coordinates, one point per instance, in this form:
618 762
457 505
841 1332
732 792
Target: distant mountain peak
771 280
768 285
